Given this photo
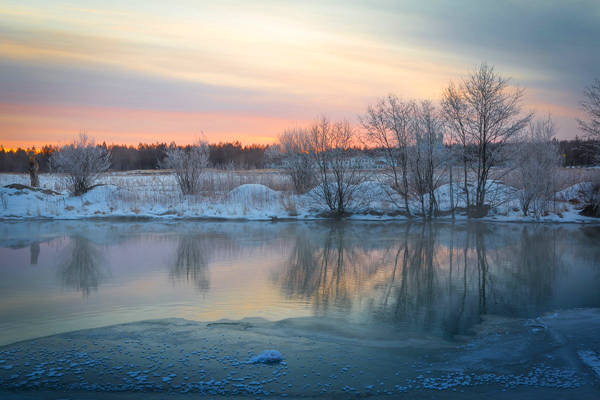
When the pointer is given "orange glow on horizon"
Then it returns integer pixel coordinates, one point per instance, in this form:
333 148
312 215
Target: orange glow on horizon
23 125
150 71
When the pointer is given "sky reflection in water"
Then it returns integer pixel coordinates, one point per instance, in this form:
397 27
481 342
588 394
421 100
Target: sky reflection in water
422 279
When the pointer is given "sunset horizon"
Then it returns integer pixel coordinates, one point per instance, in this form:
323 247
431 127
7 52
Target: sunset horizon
317 199
146 72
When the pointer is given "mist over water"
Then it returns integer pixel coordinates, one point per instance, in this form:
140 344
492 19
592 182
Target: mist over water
434 280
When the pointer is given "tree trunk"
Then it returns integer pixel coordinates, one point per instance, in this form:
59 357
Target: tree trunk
33 171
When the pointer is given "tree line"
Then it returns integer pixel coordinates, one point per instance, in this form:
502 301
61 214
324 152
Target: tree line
479 131
578 152
144 156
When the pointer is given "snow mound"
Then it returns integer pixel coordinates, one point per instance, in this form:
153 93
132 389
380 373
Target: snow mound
573 192
100 193
368 195
373 189
252 190
267 357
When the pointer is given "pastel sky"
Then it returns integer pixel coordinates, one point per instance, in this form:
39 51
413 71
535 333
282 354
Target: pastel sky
147 71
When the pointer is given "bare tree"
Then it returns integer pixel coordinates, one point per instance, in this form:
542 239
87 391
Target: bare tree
452 155
591 105
82 162
298 158
536 166
386 126
454 110
427 156
188 163
339 176
487 113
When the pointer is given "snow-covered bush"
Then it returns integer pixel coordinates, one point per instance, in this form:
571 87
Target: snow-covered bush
188 163
82 162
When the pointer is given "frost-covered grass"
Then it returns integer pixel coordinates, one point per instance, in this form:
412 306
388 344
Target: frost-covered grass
262 194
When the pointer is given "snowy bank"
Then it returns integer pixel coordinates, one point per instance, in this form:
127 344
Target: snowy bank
372 200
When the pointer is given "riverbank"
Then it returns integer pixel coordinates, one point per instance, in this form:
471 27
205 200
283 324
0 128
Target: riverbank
372 201
552 355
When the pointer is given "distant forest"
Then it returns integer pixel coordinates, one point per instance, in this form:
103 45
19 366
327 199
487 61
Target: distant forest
144 156
576 152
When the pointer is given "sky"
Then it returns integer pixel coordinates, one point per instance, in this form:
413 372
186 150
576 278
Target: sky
161 71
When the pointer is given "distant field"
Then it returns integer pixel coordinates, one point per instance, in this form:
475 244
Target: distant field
218 180
213 180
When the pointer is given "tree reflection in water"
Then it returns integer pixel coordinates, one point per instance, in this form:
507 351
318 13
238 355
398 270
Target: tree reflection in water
426 277
325 267
81 268
34 253
191 261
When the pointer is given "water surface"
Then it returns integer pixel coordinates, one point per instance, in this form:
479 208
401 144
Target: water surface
420 279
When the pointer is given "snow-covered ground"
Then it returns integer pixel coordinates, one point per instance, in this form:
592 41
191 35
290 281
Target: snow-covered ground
147 194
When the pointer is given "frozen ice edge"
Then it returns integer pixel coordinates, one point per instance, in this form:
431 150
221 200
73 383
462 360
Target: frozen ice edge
42 365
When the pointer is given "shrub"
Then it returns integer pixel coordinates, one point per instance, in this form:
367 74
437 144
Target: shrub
82 162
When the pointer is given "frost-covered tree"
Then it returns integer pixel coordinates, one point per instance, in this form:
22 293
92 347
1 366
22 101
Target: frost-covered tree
591 105
338 175
188 163
298 158
82 162
273 155
386 126
536 166
485 113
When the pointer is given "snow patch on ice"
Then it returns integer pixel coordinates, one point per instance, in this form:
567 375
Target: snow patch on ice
267 357
590 359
